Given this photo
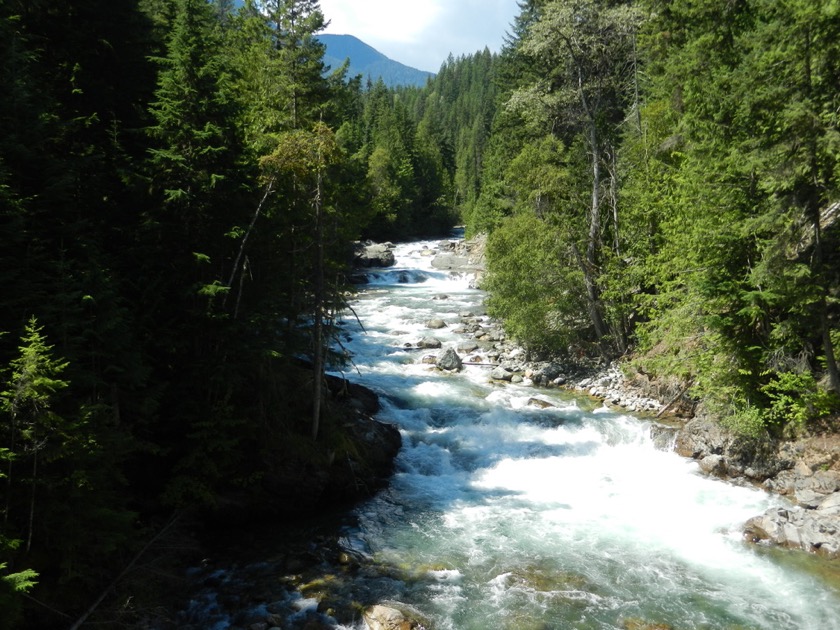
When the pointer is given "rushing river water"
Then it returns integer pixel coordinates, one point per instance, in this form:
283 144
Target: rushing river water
512 517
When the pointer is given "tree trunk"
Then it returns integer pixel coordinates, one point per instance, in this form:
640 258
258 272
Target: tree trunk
590 268
828 348
236 263
32 500
9 467
318 363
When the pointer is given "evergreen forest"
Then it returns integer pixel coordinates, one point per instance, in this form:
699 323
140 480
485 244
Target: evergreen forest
182 182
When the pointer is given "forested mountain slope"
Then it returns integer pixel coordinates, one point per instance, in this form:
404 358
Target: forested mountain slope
369 62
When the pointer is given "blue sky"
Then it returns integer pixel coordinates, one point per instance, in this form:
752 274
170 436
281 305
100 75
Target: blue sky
422 33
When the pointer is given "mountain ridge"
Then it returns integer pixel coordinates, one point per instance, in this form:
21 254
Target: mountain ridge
369 62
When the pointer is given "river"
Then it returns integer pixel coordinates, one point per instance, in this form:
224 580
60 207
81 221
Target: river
501 515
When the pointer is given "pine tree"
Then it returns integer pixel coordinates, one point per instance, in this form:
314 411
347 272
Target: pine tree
26 401
585 49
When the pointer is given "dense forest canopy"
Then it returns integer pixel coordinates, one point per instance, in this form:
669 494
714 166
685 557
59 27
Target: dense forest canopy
181 182
674 185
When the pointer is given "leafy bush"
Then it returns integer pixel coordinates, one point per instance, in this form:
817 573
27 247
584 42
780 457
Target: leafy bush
534 287
796 399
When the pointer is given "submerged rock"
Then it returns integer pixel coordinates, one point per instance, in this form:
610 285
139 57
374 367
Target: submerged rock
542 404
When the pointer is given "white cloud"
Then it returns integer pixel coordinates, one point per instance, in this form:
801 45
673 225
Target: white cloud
400 21
422 33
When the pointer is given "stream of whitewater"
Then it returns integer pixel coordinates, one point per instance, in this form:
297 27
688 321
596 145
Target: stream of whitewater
512 517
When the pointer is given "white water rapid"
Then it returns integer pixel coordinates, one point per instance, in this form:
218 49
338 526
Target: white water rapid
506 516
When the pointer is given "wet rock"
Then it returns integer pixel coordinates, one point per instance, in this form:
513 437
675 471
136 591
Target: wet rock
374 255
467 346
429 343
516 379
381 617
713 465
450 361
663 436
501 374
436 324
797 528
541 404
783 483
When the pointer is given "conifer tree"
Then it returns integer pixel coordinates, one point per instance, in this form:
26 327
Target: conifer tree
26 402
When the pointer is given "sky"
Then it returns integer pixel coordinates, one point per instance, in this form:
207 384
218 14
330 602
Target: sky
422 33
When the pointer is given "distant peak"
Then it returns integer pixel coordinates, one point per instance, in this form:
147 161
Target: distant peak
369 62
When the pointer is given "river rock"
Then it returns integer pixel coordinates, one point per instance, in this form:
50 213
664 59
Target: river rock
755 458
451 262
663 436
541 404
501 374
830 505
797 528
374 255
381 617
450 361
436 324
467 346
429 343
713 465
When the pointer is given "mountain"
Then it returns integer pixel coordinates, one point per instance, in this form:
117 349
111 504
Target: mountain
369 62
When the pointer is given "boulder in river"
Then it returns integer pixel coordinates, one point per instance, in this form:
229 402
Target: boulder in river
501 374
816 531
541 404
429 343
467 346
436 324
374 255
450 361
392 617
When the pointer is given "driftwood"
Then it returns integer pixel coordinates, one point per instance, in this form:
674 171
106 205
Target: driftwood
675 398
